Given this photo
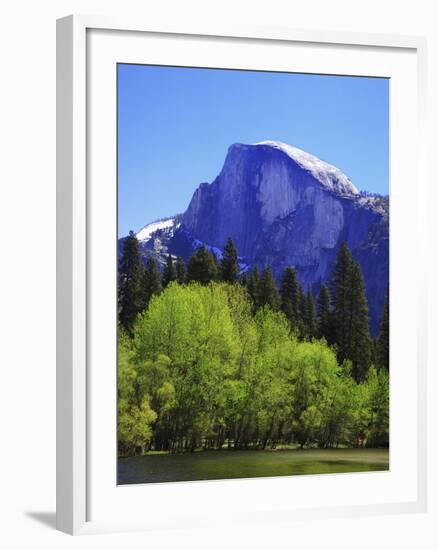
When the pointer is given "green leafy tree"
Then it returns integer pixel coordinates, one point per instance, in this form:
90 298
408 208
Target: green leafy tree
169 272
267 291
202 266
378 427
314 374
155 381
129 282
193 327
134 425
181 272
229 265
382 351
339 401
370 411
269 388
134 416
205 371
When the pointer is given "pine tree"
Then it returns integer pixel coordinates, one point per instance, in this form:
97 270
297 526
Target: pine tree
290 297
154 277
244 280
181 272
150 283
217 267
341 305
309 317
373 359
169 272
301 313
360 345
253 281
229 266
130 274
350 314
267 291
323 314
202 266
382 348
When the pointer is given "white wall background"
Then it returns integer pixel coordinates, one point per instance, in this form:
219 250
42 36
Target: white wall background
27 285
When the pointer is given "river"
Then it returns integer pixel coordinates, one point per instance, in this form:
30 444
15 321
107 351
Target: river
155 468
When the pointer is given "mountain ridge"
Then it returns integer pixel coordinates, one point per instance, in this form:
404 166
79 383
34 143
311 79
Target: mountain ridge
282 206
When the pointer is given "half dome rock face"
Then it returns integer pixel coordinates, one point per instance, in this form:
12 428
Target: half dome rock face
329 176
272 199
283 206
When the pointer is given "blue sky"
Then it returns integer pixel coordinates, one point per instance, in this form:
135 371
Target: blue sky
175 126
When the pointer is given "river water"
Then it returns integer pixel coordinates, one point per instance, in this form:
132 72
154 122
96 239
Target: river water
155 468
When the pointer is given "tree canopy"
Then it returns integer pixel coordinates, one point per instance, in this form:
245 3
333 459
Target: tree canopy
203 371
207 362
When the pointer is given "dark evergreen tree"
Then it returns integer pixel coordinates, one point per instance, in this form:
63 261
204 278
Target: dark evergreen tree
341 303
350 315
169 272
244 280
373 359
267 291
323 314
309 317
382 348
302 313
229 266
290 297
181 272
129 281
359 349
217 267
151 282
154 277
253 281
202 266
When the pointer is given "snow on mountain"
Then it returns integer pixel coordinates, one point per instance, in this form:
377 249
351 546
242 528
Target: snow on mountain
148 230
281 206
196 243
285 207
379 204
331 177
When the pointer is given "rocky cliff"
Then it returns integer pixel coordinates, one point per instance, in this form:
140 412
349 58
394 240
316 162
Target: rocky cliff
283 206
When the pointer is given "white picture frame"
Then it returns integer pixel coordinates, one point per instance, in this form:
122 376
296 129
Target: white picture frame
76 212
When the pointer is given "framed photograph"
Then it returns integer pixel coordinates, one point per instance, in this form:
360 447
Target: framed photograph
241 322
